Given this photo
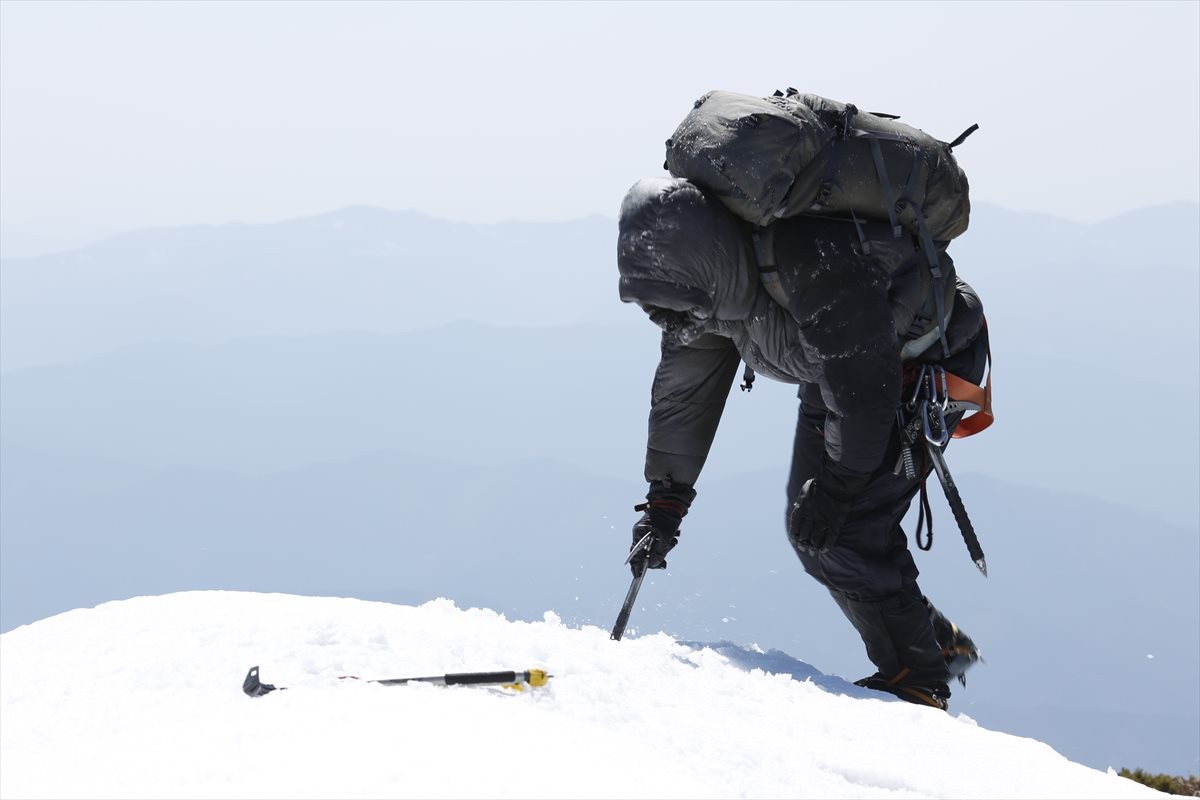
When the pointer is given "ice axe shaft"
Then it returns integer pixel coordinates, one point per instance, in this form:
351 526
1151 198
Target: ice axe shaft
956 506
641 554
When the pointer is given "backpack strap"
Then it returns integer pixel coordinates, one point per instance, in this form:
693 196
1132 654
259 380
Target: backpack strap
927 245
764 257
962 137
930 331
939 278
863 241
885 184
764 254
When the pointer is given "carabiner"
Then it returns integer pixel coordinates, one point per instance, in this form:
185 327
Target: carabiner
934 408
943 397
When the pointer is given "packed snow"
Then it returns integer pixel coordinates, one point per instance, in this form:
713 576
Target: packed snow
143 698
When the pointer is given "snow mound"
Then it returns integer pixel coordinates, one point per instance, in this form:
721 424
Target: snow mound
142 698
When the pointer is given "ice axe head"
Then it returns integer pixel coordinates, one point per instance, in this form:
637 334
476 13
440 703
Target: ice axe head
642 548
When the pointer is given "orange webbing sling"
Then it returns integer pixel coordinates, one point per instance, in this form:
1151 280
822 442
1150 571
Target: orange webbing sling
973 398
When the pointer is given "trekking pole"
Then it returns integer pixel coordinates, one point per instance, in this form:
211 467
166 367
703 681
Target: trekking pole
642 548
956 506
254 687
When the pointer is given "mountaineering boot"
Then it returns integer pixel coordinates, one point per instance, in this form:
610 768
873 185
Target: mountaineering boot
932 694
958 649
901 643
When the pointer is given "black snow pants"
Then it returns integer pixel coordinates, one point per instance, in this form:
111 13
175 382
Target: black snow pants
870 570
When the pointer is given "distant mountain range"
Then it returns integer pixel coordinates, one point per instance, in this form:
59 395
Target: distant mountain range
357 270
1129 283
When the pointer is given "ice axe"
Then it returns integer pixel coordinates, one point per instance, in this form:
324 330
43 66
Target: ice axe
642 550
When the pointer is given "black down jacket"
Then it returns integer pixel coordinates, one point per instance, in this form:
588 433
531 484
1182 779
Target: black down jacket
684 257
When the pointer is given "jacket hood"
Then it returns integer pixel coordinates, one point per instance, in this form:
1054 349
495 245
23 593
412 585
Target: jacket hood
682 250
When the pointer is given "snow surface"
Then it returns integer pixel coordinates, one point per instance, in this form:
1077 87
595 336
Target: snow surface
142 698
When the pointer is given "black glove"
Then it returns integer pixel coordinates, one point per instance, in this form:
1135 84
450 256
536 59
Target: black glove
663 526
663 510
821 509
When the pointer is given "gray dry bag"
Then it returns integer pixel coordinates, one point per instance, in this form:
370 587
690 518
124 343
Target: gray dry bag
790 154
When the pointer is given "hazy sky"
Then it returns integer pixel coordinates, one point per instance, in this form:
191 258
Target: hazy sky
116 116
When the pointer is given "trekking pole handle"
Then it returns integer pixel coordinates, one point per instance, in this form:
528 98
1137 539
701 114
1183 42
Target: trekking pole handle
534 677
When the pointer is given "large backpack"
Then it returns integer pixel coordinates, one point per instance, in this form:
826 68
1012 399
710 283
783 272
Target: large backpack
792 154
795 153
